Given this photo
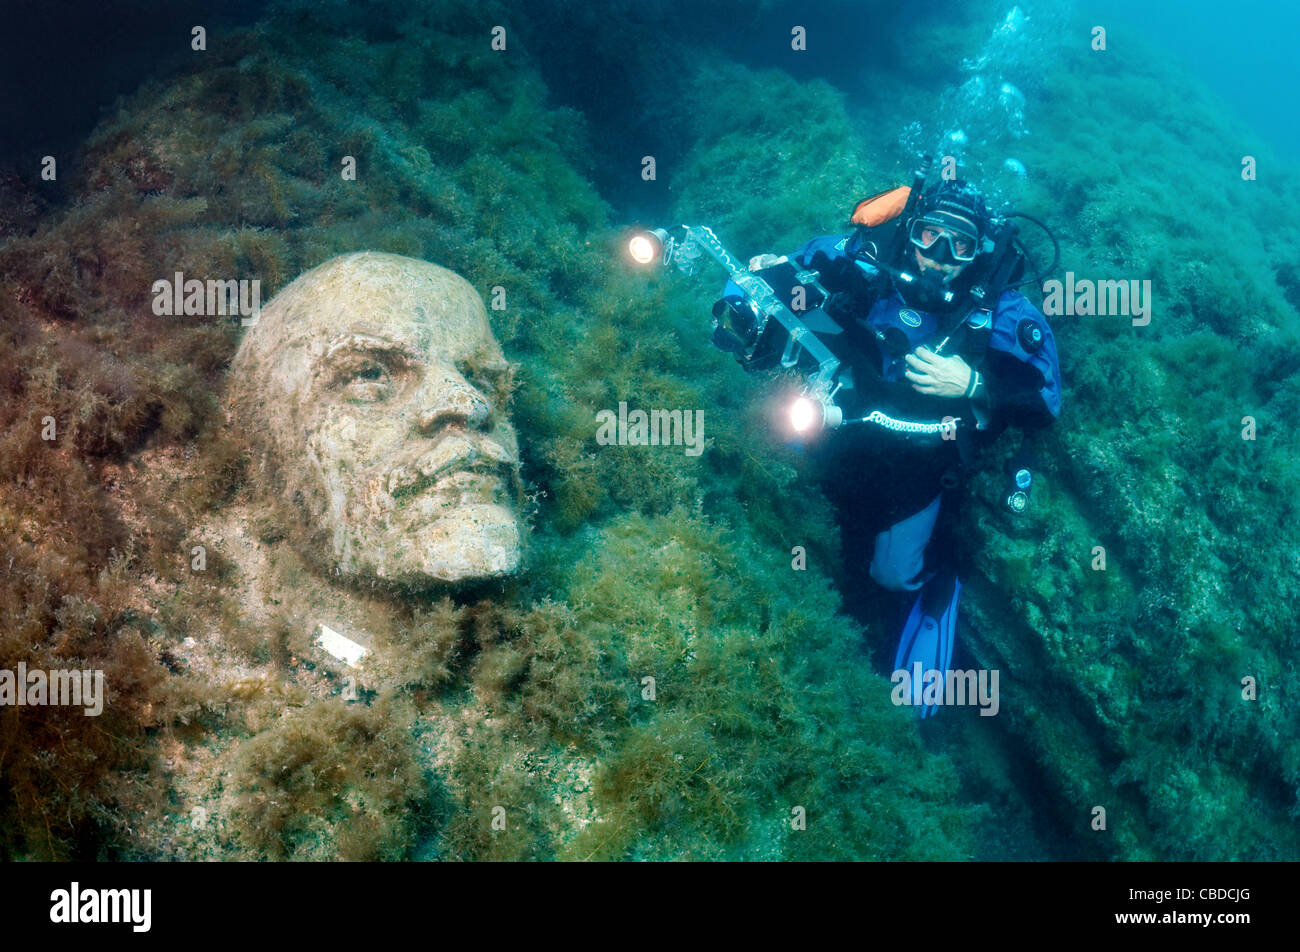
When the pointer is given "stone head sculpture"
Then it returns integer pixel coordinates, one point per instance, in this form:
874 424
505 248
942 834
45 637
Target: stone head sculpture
375 388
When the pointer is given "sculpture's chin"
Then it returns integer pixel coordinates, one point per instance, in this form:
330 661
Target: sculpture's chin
476 540
467 542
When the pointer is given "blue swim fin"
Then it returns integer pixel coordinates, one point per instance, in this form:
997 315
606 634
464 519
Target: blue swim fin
928 636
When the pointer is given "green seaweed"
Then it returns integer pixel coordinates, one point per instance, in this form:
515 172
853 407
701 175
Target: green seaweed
1122 686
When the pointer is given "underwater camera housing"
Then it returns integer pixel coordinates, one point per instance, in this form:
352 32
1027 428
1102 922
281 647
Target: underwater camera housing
775 323
764 329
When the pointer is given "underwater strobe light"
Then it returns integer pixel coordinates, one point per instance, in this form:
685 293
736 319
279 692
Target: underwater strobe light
811 413
645 246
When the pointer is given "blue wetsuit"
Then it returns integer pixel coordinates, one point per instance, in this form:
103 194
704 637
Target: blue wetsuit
888 484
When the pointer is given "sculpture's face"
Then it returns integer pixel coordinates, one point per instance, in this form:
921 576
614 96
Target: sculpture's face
381 389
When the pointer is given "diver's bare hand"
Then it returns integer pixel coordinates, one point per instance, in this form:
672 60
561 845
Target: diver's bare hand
936 375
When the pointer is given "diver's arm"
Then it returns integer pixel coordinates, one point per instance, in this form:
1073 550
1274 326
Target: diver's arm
852 293
1020 387
832 257
1002 391
1012 385
828 255
737 320
1012 392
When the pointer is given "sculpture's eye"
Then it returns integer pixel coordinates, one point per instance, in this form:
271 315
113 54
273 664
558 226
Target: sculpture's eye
367 372
371 382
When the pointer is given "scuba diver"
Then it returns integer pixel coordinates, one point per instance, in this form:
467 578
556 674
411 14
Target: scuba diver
936 352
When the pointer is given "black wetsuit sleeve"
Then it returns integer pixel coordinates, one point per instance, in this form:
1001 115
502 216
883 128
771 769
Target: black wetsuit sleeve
1012 391
851 292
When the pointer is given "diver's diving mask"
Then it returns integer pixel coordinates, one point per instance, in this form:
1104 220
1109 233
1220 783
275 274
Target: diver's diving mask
928 231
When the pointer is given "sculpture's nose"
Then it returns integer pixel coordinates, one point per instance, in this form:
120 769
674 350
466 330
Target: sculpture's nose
451 400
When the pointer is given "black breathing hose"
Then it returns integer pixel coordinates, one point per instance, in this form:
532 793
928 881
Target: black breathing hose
1056 251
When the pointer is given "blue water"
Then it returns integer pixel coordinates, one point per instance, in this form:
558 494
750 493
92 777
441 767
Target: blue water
1245 52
